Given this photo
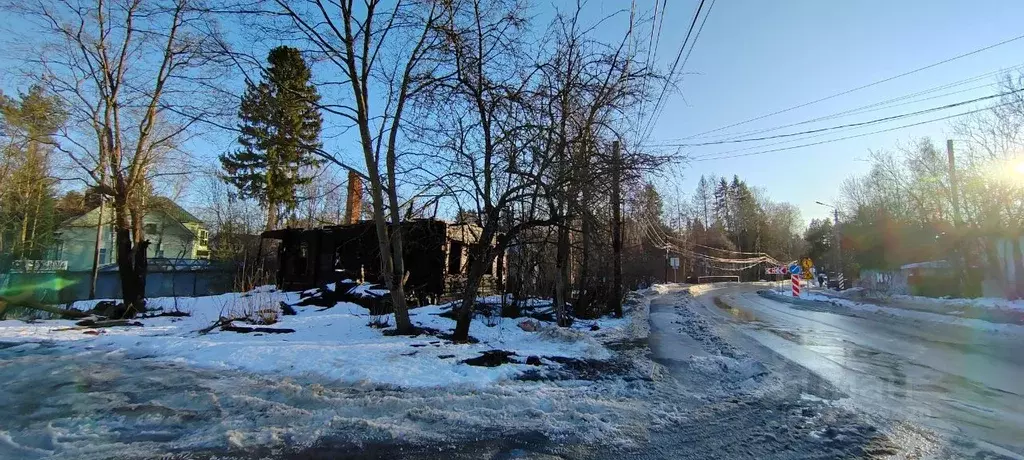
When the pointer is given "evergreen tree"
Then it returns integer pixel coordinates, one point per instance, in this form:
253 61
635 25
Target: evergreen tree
27 188
702 199
280 129
723 213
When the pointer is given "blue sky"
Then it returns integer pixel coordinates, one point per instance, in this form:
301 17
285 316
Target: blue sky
756 57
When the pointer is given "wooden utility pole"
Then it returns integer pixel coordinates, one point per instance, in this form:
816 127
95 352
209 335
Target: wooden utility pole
616 300
953 189
955 198
835 236
666 264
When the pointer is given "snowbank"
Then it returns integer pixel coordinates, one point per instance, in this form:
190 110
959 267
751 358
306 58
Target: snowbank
992 303
336 342
915 314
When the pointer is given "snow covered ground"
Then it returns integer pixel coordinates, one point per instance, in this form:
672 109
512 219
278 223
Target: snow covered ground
993 303
917 315
335 384
336 343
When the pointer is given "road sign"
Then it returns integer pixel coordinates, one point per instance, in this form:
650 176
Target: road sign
794 269
674 262
796 285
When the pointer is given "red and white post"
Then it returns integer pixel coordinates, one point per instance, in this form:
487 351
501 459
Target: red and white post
796 285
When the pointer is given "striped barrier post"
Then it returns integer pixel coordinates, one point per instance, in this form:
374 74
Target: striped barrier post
796 285
842 282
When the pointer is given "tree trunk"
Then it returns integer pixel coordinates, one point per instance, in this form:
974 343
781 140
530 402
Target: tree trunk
24 234
271 215
562 276
616 296
132 286
398 301
583 300
481 255
35 217
96 252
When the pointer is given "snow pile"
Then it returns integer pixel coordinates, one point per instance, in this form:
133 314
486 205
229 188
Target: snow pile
991 303
335 342
916 315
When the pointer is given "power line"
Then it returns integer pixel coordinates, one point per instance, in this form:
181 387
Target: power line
672 70
663 241
843 93
697 36
652 51
803 138
848 125
881 105
659 108
850 137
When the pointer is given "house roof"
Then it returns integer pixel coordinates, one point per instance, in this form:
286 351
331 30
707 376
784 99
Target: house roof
158 203
172 209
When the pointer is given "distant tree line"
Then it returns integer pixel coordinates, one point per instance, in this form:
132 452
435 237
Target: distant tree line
908 208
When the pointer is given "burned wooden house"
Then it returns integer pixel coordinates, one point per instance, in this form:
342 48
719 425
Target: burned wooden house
435 252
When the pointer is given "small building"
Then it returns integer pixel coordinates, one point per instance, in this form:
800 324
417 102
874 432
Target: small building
173 233
436 255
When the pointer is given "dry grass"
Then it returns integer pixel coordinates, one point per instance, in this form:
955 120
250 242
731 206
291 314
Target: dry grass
255 308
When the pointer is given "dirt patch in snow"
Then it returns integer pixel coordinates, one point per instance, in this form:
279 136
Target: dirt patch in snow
491 358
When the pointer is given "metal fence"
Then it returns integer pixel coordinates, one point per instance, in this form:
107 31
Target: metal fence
65 287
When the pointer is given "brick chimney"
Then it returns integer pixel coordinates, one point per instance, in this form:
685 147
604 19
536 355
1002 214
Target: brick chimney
354 201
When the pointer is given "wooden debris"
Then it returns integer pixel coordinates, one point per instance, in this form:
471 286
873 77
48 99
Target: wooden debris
246 329
26 301
97 323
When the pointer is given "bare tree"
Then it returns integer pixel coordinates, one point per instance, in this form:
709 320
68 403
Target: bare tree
527 126
135 76
378 53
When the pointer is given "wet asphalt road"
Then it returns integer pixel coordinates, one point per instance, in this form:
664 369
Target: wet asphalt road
966 385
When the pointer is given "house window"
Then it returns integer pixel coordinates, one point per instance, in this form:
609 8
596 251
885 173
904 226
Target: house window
455 258
150 229
103 256
204 237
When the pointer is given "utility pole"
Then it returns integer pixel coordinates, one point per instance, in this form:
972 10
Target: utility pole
953 189
835 236
838 250
955 198
616 300
666 265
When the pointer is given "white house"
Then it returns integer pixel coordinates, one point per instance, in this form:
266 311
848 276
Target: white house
173 233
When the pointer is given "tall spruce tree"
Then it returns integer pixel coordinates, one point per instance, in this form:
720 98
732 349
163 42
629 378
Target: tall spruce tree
280 130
